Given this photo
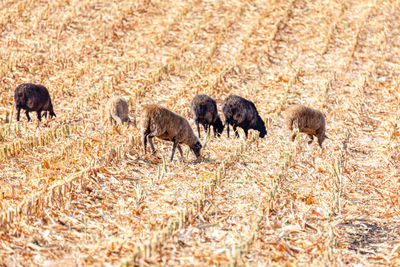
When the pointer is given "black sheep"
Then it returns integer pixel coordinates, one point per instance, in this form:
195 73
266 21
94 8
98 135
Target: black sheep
242 113
33 97
204 111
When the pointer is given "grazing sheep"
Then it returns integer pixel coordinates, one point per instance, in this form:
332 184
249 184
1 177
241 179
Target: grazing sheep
116 110
157 121
307 120
33 97
204 111
240 112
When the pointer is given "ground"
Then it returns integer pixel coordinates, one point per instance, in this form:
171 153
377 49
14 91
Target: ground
77 191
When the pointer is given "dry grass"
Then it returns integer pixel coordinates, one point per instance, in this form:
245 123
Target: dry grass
75 192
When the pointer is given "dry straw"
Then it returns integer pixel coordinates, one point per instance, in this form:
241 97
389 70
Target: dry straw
76 192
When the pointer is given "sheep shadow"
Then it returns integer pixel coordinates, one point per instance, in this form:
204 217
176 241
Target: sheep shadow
200 160
156 160
367 236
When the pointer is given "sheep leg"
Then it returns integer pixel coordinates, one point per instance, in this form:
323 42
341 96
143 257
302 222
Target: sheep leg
205 126
44 114
111 120
311 138
153 150
320 142
180 150
246 132
18 112
198 127
144 139
320 135
51 113
235 130
27 115
174 148
293 136
116 119
39 115
227 128
209 129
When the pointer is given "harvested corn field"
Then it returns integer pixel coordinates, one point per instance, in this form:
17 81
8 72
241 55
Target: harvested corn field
77 191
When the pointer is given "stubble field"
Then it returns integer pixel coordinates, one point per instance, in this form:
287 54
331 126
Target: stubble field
76 192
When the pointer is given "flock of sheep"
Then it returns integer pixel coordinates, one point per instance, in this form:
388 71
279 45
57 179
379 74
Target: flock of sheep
157 121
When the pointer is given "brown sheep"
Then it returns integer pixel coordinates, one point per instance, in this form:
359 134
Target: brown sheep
204 111
157 121
33 97
307 120
116 110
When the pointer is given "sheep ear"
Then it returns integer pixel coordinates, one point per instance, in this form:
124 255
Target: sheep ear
326 137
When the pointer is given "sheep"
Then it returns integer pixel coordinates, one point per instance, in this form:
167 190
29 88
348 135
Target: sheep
204 111
116 110
33 97
240 112
307 120
157 121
